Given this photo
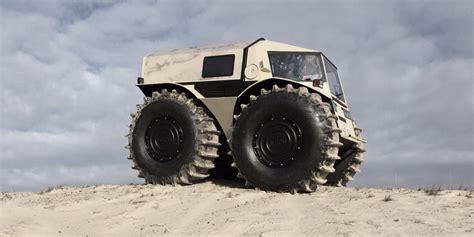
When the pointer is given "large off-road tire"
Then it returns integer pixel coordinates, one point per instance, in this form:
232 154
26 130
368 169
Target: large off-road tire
285 140
349 165
171 140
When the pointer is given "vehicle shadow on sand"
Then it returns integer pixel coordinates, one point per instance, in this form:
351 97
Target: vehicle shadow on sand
228 182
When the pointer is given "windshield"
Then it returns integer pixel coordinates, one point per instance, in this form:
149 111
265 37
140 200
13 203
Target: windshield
296 66
333 80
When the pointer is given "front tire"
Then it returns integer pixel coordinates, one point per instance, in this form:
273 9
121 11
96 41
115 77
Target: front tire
285 140
171 140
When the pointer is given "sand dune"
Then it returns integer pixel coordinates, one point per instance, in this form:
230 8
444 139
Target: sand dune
209 209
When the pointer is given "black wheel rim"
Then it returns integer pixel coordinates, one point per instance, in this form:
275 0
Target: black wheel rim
277 142
164 138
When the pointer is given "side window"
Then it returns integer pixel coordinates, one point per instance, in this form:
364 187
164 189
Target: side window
218 66
333 79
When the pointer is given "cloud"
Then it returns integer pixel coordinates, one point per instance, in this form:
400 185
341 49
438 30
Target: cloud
68 71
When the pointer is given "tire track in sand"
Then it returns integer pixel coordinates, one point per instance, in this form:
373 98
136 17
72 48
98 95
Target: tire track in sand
196 209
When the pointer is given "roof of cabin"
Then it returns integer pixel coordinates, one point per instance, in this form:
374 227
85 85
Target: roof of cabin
214 47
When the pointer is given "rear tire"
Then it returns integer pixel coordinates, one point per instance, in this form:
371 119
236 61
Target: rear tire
349 166
285 140
171 140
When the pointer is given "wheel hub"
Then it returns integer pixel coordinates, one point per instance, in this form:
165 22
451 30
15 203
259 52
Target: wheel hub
277 141
164 138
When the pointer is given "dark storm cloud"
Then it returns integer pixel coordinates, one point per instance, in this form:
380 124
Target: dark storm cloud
68 71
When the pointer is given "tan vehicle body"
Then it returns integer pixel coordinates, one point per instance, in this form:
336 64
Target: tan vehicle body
183 69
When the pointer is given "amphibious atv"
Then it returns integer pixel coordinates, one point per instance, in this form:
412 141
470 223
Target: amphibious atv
275 112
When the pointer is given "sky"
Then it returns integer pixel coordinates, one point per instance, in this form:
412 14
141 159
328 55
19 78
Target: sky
68 72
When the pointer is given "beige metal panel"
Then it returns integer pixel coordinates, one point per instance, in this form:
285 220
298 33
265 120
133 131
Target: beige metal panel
143 67
204 49
345 124
185 67
257 57
223 109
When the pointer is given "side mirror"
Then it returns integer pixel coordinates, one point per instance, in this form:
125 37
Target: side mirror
318 83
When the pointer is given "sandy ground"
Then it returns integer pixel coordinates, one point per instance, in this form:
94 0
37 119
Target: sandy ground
224 209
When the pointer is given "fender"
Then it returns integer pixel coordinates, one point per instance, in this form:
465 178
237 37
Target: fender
148 89
254 89
212 110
